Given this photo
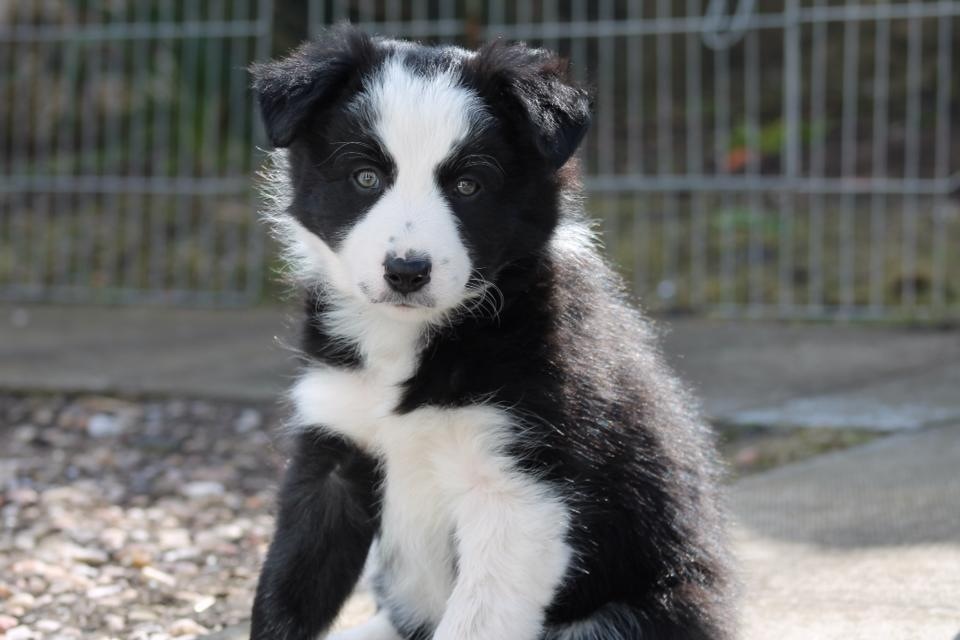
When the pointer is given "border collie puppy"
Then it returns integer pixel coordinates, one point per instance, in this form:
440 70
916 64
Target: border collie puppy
482 418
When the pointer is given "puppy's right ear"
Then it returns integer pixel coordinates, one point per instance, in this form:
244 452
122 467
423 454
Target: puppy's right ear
313 76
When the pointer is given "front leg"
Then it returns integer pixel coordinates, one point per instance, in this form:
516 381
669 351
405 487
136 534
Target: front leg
326 522
512 555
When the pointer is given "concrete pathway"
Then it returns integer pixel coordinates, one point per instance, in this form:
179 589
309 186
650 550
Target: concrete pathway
819 375
232 354
746 372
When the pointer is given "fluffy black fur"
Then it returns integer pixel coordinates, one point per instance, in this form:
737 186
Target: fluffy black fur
599 416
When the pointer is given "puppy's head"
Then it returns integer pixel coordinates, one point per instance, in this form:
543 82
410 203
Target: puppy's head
418 173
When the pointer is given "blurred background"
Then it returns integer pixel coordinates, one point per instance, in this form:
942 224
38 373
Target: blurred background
749 158
778 181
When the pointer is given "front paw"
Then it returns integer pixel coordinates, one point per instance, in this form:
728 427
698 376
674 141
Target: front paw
376 628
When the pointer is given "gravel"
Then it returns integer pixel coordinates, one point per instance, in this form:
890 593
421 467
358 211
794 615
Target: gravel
131 519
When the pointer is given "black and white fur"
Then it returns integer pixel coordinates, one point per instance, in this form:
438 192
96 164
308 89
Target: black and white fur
502 446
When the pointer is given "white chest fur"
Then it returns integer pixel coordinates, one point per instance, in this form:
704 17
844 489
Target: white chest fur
445 470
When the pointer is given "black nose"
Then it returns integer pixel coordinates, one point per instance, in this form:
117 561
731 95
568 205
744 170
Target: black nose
406 275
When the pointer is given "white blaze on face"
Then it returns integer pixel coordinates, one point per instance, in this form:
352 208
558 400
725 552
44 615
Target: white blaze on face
419 120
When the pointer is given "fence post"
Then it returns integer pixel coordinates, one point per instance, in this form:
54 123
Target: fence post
791 148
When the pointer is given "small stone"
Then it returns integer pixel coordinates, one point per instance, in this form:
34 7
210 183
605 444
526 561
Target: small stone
201 409
37 585
48 625
135 556
247 421
202 489
156 575
23 495
22 599
26 433
105 591
105 425
142 615
187 627
42 415
178 555
92 557
113 538
174 538
7 623
24 541
20 633
114 622
203 603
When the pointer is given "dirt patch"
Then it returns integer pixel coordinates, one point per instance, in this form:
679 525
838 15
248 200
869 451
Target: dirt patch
750 450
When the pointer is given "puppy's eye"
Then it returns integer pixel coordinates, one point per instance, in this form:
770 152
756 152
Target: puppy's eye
367 179
467 187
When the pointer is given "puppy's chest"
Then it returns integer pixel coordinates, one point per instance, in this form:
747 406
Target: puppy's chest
431 458
430 447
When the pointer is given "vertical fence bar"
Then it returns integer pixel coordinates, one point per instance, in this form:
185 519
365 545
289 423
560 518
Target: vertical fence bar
695 140
550 16
19 127
162 164
420 11
578 46
606 147
496 17
317 15
7 66
90 151
819 72
448 13
236 125
665 162
752 139
791 148
367 11
189 91
393 11
941 158
640 233
880 135
46 122
255 235
911 160
138 163
205 238
721 73
24 115
848 152
524 16
65 202
112 149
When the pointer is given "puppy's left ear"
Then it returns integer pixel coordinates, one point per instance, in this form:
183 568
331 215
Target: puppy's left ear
289 90
534 83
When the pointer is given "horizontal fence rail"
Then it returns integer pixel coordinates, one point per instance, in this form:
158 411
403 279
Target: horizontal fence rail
127 143
788 158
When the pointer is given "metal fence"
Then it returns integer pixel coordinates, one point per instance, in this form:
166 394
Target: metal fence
126 149
784 158
779 158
